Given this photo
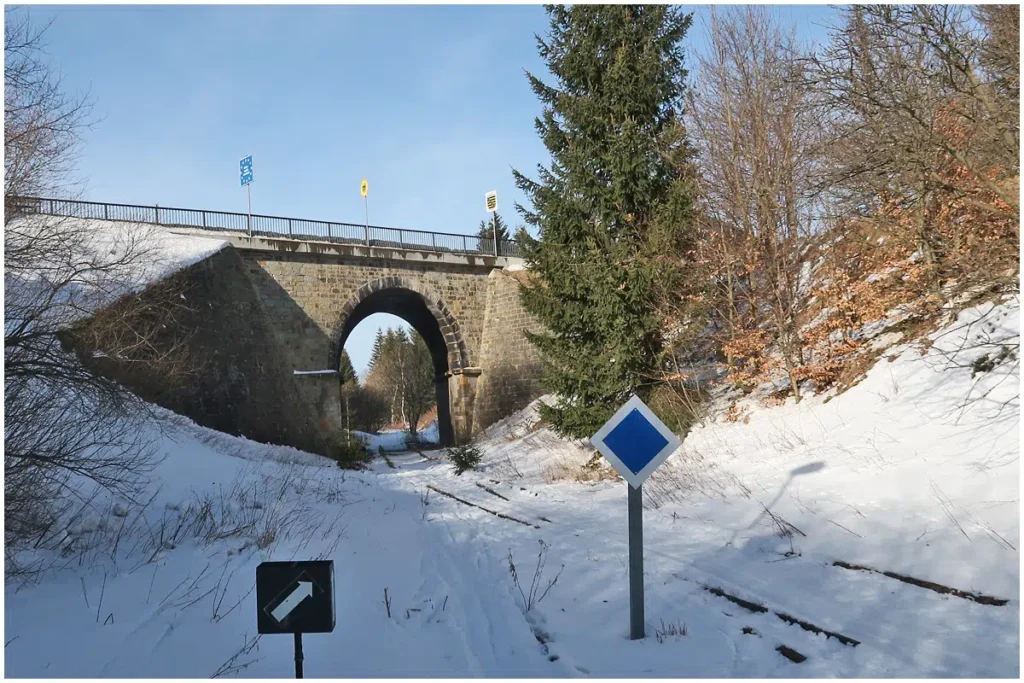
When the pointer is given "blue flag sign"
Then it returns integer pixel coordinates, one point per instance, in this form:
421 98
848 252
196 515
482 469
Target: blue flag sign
635 441
245 167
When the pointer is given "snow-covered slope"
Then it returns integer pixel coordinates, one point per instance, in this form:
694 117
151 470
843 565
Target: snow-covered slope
915 470
164 587
94 262
898 474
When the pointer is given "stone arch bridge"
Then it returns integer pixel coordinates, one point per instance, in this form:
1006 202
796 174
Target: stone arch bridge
272 311
466 308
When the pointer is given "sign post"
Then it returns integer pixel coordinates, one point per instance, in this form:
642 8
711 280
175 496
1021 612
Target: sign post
635 512
245 169
635 442
364 189
297 598
491 202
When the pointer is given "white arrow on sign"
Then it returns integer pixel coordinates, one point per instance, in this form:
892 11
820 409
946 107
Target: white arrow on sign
301 592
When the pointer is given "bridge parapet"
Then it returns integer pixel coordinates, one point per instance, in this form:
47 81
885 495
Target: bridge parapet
302 230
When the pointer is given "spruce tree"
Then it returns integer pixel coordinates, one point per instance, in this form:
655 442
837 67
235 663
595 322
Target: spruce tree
613 209
486 230
378 343
346 372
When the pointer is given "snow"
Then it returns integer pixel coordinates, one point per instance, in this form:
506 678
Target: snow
315 372
394 440
913 470
169 251
158 254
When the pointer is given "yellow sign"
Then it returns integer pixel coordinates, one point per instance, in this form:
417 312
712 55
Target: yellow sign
491 199
364 187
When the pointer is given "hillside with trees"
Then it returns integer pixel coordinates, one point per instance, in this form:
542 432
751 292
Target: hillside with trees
777 213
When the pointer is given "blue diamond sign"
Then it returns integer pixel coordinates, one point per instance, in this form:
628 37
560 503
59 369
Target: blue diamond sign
635 441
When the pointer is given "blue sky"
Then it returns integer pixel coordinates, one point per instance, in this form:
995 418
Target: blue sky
429 103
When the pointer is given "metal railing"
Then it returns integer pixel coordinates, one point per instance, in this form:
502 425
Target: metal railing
277 227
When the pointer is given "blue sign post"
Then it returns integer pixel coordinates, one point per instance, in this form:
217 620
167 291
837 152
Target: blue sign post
635 442
245 170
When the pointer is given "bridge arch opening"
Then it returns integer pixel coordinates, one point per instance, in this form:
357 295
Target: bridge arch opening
428 315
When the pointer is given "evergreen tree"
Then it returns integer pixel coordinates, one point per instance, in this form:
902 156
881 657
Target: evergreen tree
397 337
378 342
363 407
346 372
402 374
486 231
613 209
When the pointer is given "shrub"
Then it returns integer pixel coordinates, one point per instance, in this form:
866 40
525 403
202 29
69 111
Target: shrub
464 458
369 409
414 442
680 407
537 591
349 451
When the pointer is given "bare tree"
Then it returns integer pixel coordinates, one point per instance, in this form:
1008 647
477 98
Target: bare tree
403 371
1000 51
879 172
73 305
922 110
418 382
42 123
755 137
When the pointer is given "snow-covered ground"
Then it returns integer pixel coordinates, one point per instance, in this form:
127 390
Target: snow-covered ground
914 470
395 440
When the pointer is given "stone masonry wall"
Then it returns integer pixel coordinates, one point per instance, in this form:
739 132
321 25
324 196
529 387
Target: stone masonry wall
243 384
511 366
305 293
